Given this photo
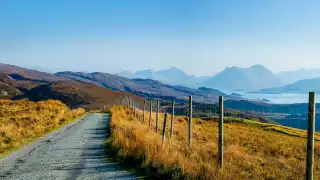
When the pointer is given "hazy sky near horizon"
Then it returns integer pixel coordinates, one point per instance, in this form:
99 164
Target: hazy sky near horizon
201 37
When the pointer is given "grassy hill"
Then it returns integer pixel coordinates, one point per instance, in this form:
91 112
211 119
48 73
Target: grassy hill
23 121
253 150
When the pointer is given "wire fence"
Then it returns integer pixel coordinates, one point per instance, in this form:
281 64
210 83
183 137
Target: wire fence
145 111
211 112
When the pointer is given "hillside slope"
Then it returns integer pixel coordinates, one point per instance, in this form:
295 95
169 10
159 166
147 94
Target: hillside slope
146 88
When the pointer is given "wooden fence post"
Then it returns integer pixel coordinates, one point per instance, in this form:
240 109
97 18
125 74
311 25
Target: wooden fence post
138 106
220 148
172 119
311 129
164 129
134 109
132 104
190 121
150 115
126 101
144 109
157 116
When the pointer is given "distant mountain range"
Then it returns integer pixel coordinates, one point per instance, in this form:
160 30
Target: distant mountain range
233 78
39 68
172 76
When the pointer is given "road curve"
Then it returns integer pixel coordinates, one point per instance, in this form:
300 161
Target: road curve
75 151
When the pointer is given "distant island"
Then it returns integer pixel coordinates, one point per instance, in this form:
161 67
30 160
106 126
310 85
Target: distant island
236 94
263 92
264 100
302 86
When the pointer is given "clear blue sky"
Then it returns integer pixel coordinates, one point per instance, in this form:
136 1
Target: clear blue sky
200 37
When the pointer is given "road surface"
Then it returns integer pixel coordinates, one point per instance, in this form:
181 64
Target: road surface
74 152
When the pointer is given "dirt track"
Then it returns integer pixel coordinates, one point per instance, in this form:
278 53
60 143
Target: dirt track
74 152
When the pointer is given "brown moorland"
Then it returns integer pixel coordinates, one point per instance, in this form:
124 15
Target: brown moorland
253 150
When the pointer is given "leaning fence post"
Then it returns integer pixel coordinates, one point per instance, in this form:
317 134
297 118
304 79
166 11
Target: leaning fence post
144 109
157 116
311 129
190 121
150 115
172 119
220 148
164 129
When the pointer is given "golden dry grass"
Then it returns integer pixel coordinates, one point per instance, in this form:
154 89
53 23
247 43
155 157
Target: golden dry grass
22 121
252 150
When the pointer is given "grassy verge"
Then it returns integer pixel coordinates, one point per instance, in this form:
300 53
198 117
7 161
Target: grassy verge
24 121
252 150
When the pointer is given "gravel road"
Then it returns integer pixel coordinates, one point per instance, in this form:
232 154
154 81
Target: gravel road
75 151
